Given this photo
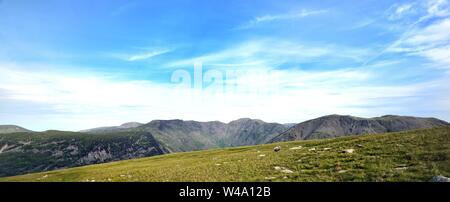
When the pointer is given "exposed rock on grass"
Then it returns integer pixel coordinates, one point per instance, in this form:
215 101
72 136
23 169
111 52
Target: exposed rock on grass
283 170
440 178
348 151
277 148
287 171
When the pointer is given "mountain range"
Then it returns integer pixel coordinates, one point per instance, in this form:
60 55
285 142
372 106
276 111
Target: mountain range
338 125
24 151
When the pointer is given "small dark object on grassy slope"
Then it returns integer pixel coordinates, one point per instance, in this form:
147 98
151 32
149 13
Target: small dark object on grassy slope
277 149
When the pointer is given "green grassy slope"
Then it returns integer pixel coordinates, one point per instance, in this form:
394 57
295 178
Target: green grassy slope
403 156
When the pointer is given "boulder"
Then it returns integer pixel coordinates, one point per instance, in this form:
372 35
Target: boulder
348 151
277 148
440 178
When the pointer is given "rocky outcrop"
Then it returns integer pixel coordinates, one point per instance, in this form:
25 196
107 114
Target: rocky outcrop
440 178
32 152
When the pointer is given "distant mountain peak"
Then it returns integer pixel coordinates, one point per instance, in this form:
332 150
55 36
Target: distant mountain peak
121 127
12 129
247 120
131 125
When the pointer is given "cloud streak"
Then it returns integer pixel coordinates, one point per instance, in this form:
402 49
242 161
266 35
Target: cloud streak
142 55
269 53
280 17
427 31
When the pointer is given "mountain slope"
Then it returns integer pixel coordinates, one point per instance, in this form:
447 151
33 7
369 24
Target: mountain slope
178 135
403 156
12 129
192 135
337 125
31 152
110 129
251 132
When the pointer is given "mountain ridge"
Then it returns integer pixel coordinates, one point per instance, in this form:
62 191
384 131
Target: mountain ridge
4 129
112 128
343 125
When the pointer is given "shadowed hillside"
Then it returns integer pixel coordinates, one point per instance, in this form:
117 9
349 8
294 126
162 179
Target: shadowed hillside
337 125
179 135
31 152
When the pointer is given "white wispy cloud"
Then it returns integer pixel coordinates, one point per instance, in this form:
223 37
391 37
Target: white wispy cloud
398 11
440 55
79 102
431 42
301 14
279 17
361 24
143 55
428 32
434 34
423 9
439 8
270 52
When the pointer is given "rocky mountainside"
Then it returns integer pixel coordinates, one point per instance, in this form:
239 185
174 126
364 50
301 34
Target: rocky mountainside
337 125
31 152
12 129
251 132
178 135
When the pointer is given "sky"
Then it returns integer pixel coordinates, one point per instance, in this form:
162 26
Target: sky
72 65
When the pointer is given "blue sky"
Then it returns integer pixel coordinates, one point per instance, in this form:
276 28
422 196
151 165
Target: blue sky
75 65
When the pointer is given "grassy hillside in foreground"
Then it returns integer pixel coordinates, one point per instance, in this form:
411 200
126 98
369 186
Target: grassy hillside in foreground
403 156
